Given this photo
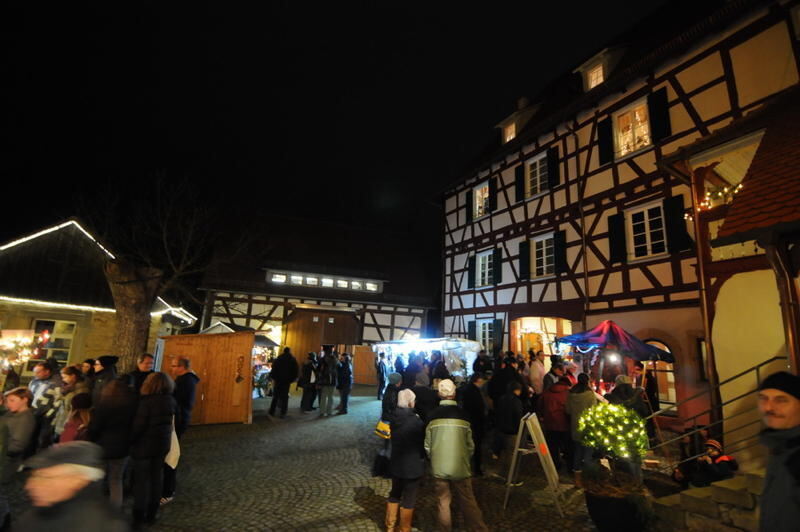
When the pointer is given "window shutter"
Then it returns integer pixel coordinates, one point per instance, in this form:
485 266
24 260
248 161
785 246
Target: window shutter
470 206
616 239
472 330
553 176
525 259
605 141
658 107
471 272
497 332
560 252
492 194
677 237
497 265
519 182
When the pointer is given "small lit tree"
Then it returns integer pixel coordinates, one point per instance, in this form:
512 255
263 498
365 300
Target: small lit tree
615 431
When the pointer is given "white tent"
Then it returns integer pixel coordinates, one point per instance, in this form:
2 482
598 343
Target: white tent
459 353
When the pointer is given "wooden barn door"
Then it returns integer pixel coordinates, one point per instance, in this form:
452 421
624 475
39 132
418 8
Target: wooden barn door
224 364
308 329
364 365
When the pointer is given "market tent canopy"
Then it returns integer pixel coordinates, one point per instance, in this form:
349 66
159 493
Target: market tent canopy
609 335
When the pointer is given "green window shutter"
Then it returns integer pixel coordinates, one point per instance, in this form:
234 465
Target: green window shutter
658 108
472 330
553 175
497 332
470 206
675 224
471 272
525 259
497 265
616 239
605 141
492 194
560 252
519 182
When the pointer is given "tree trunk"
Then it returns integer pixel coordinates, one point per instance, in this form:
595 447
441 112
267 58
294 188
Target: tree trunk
134 289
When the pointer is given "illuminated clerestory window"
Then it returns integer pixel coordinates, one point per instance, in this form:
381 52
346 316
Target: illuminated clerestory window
318 281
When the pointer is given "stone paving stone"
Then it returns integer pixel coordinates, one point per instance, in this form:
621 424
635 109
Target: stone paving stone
313 474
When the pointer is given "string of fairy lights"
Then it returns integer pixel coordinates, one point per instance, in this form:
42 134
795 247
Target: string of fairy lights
614 430
20 349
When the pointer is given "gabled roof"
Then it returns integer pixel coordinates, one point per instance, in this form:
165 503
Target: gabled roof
669 31
769 200
63 266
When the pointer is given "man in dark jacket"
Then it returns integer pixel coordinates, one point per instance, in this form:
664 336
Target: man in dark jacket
425 398
482 364
382 371
185 391
144 367
507 413
66 492
344 381
475 406
284 373
779 403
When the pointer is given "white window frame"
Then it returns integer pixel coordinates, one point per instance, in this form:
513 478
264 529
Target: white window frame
327 282
590 71
346 284
279 278
534 256
312 280
296 279
540 161
629 235
642 102
485 333
484 276
474 206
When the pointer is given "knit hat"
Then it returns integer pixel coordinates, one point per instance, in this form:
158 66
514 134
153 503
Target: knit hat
82 401
405 398
81 453
783 381
715 444
107 360
395 378
447 388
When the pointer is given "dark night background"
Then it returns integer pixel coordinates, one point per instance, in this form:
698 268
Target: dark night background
350 112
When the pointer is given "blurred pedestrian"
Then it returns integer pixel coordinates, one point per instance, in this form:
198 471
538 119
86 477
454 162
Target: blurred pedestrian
308 381
77 425
407 462
105 371
344 382
476 408
21 425
382 372
581 398
144 367
151 438
553 409
185 392
284 373
327 383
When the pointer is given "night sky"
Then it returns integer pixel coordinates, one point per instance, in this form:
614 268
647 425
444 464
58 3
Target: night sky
353 112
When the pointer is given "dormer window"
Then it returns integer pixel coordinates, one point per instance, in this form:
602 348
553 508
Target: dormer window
509 132
594 76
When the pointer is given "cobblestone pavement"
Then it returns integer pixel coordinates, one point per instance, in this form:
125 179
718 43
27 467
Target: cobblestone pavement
306 473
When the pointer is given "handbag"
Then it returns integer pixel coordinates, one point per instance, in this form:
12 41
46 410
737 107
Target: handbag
174 453
383 429
380 466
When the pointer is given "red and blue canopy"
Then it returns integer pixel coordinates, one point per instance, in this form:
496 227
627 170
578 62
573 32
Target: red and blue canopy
609 335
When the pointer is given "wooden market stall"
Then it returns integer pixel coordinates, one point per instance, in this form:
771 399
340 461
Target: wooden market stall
224 364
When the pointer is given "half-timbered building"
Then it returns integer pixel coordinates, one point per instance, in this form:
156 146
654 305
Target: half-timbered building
571 221
317 290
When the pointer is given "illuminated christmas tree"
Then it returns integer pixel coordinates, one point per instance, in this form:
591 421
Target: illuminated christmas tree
614 430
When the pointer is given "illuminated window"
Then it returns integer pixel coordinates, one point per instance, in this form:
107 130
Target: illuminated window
536 175
480 195
59 341
646 234
632 129
484 268
278 278
485 330
595 76
312 281
327 282
509 132
372 287
297 279
543 256
341 283
356 285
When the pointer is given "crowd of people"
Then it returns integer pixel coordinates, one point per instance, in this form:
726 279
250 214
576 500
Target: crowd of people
96 435
318 377
456 427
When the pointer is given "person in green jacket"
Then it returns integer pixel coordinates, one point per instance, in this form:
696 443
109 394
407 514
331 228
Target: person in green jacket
779 403
449 445
580 398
